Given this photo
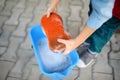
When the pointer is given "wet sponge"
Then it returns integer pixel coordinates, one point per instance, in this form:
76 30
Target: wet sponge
53 28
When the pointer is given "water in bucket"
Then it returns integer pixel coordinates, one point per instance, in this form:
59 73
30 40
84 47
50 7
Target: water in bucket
53 62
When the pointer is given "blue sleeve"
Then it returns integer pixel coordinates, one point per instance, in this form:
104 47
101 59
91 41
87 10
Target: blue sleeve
102 11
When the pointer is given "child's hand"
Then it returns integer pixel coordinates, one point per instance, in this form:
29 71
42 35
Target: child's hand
70 45
53 7
51 10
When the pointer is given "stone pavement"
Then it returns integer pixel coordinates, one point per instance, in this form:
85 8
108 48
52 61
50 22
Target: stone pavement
17 59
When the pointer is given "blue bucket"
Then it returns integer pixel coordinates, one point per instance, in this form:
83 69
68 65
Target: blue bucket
36 34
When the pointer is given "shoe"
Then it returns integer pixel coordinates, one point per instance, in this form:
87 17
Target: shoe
83 47
86 58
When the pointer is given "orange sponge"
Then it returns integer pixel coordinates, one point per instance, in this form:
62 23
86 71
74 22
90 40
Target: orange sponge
53 28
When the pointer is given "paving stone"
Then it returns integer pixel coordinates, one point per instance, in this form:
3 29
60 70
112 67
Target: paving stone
33 1
30 9
8 28
4 38
102 76
2 4
33 60
118 40
49 2
27 43
5 67
108 44
84 13
7 11
13 0
83 21
10 78
41 6
117 36
64 6
27 71
76 68
64 17
20 31
25 54
115 55
28 67
116 66
1 8
23 58
0 31
75 13
44 77
77 2
28 12
86 5
74 28
2 20
36 19
73 75
85 73
13 20
115 45
2 50
35 73
102 62
10 54
20 4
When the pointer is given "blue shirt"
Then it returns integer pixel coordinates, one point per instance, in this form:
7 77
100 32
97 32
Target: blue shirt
102 11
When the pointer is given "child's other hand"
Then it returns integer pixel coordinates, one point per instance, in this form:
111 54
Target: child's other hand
51 10
70 45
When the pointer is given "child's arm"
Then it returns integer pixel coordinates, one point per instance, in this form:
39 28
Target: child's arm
101 12
55 3
53 7
74 43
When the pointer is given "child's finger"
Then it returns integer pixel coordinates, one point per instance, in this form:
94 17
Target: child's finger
61 41
65 52
48 14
